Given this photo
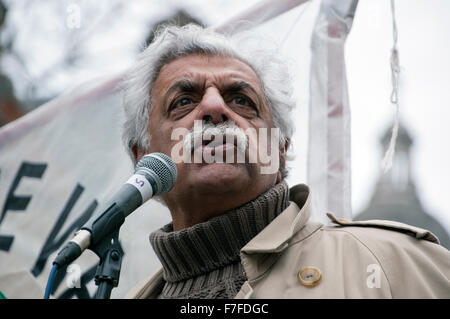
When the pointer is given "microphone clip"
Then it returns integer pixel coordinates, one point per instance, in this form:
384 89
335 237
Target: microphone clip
105 245
108 270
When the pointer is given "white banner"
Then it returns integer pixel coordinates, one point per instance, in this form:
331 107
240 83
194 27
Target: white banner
58 164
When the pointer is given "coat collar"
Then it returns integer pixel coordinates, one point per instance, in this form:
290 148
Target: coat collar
264 249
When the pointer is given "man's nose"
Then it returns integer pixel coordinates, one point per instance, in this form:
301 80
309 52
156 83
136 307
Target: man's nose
213 107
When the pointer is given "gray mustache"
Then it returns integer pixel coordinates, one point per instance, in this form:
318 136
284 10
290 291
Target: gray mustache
212 134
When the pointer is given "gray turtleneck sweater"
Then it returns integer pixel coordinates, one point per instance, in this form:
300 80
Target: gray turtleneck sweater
203 261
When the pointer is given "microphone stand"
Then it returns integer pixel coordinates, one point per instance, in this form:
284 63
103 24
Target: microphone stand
101 232
108 269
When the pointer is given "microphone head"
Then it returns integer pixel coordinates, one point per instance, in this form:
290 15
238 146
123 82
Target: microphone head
161 168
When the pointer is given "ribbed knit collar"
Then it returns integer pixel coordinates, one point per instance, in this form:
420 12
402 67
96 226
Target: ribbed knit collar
217 242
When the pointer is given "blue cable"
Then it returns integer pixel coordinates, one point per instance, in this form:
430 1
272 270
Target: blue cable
51 277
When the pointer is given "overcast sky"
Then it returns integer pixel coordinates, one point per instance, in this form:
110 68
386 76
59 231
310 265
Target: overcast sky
424 46
424 96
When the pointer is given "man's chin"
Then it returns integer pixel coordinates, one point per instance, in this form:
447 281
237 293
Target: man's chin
222 176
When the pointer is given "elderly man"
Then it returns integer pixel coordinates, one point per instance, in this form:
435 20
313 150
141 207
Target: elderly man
238 230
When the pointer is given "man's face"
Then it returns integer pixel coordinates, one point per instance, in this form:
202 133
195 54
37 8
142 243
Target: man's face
215 89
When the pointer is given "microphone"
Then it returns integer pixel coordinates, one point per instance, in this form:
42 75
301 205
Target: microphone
154 174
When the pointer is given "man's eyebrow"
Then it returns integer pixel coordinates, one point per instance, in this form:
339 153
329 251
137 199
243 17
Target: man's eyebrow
187 85
238 87
183 85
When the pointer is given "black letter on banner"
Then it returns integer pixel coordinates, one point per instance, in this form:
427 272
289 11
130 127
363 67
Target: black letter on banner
19 203
52 243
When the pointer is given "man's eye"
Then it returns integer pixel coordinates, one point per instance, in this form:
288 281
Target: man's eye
242 100
182 102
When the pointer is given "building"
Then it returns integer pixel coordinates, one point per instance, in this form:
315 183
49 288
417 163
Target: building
179 17
395 196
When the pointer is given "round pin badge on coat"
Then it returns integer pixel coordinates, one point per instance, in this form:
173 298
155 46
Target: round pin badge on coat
309 276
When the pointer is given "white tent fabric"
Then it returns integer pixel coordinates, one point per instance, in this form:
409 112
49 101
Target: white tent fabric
329 154
61 161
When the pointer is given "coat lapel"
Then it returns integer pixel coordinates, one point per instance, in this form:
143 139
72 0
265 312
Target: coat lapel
265 248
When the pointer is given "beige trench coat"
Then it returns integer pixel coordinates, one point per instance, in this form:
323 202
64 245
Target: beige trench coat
294 257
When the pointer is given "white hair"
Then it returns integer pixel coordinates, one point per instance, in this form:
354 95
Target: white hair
172 42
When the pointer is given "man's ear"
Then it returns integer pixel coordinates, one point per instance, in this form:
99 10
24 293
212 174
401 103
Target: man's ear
283 151
286 145
137 153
